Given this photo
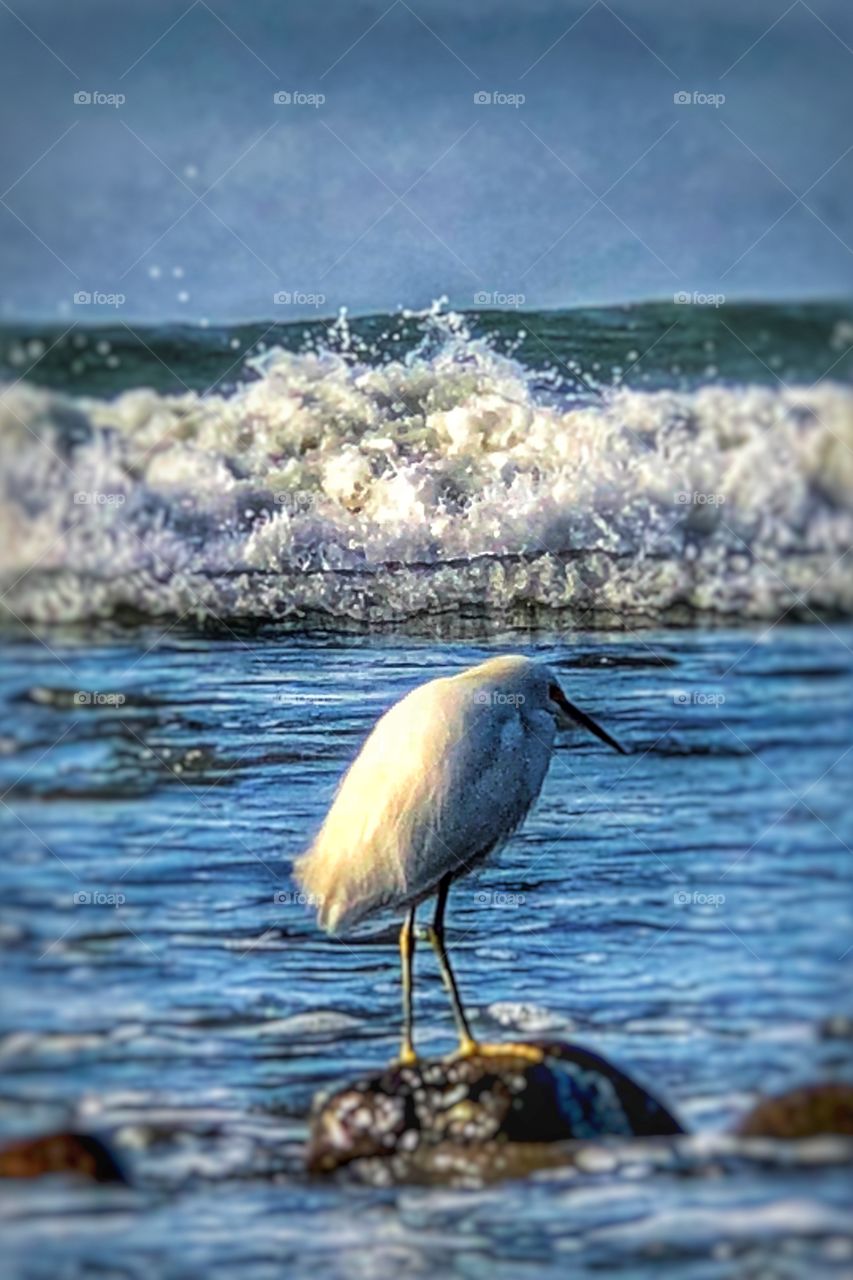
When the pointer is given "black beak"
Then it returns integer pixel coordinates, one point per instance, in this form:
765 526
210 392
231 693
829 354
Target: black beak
580 717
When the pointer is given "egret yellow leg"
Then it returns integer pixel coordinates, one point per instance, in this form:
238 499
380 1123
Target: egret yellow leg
435 933
407 953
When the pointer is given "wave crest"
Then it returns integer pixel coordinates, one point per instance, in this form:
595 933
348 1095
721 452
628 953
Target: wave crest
446 481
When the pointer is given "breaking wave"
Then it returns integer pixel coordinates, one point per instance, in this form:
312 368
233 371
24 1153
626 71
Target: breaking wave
327 486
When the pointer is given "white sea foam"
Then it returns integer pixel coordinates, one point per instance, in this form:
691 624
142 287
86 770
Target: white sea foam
442 482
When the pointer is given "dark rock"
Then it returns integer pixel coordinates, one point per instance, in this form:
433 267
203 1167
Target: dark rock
838 1027
802 1113
507 1103
77 1153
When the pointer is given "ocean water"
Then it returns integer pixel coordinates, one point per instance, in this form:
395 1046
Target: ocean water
643 464
685 910
182 684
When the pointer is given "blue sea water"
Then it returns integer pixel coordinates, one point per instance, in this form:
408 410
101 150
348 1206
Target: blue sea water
684 910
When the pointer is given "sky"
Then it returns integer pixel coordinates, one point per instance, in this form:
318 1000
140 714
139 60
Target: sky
538 155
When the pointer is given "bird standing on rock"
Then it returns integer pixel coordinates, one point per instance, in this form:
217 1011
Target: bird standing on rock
445 778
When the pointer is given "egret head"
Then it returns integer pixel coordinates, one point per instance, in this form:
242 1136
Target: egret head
567 715
536 687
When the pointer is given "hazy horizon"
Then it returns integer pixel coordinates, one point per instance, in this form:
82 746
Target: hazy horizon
201 198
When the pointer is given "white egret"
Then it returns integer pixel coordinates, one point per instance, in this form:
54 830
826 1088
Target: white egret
445 778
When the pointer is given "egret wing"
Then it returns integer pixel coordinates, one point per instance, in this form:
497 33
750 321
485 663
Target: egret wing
443 779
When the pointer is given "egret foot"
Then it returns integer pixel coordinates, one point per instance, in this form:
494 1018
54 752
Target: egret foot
469 1048
407 1058
513 1049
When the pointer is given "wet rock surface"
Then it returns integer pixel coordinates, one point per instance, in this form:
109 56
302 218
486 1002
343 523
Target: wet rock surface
506 1112
500 1111
806 1112
76 1153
